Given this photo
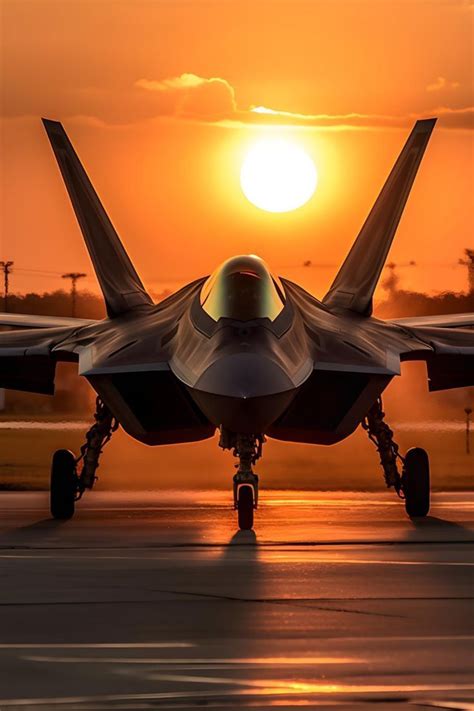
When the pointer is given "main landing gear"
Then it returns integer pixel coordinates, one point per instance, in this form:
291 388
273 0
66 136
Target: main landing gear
67 484
248 448
413 484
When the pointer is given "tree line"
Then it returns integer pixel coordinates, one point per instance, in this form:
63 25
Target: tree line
397 303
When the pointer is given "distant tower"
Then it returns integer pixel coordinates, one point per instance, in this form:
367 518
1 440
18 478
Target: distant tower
6 267
392 281
73 276
469 263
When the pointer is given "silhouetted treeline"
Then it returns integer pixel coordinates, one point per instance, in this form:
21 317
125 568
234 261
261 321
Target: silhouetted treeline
398 303
58 303
413 303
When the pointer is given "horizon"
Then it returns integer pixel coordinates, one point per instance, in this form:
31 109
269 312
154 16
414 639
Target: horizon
383 294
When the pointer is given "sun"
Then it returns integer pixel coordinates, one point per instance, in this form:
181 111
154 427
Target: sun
277 175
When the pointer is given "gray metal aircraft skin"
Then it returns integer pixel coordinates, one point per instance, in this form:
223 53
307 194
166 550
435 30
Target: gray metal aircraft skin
241 350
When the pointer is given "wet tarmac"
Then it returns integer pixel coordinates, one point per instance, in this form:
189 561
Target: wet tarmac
153 600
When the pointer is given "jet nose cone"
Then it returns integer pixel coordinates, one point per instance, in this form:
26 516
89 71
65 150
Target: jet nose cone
244 375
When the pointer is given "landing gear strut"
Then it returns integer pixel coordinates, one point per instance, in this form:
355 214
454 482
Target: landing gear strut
248 448
413 484
67 484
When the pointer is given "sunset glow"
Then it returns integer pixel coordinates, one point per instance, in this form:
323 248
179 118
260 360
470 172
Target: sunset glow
278 176
164 134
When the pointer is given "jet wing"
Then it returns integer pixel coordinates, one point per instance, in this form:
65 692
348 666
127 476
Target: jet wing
443 321
27 360
28 321
449 354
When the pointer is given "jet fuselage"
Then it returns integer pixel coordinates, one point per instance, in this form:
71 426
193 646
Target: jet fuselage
258 376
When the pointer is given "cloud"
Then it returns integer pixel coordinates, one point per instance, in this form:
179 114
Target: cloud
185 81
190 95
462 118
441 83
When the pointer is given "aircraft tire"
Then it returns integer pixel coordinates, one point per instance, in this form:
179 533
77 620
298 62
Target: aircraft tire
416 482
245 507
63 487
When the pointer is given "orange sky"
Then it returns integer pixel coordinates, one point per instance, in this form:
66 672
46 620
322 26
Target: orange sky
157 95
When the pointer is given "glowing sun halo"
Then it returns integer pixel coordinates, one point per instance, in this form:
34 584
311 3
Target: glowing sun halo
277 175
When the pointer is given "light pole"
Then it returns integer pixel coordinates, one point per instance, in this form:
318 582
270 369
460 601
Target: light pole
73 276
7 269
469 263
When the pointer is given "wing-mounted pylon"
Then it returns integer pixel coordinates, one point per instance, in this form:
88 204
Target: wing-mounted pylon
120 283
355 283
28 361
448 349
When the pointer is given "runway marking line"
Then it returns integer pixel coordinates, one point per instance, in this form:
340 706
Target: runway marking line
187 645
275 558
322 689
301 687
102 645
311 505
260 546
254 661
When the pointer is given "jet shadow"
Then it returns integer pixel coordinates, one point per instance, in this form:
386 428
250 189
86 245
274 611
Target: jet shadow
238 576
439 530
45 524
243 538
240 560
43 530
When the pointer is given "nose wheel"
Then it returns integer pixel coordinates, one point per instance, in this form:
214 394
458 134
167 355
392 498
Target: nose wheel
245 497
245 507
248 448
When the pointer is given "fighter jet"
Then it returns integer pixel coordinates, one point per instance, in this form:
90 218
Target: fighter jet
241 351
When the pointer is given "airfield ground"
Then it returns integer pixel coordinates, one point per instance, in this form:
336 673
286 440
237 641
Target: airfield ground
26 449
154 601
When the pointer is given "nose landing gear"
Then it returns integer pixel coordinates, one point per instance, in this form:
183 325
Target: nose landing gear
67 485
248 448
413 484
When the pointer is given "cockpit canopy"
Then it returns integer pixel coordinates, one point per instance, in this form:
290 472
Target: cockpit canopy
243 289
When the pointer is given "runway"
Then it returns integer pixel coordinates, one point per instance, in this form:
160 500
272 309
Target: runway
152 600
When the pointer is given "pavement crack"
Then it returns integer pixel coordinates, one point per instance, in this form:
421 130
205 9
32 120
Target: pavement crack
292 602
300 602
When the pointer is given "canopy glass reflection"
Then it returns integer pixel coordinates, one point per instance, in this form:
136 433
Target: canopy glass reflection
242 288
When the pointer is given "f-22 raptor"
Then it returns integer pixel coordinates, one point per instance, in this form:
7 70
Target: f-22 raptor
242 351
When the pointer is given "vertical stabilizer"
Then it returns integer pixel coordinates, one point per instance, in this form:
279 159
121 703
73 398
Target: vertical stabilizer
120 283
354 285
